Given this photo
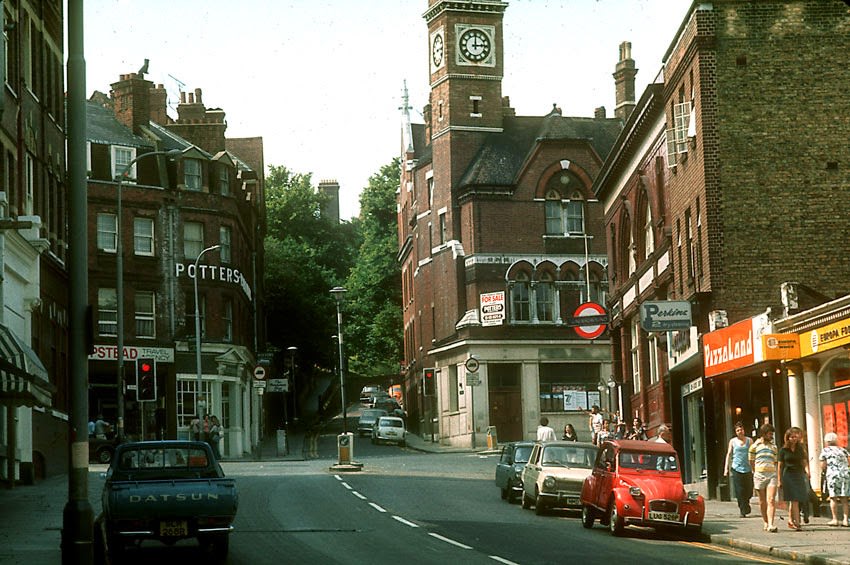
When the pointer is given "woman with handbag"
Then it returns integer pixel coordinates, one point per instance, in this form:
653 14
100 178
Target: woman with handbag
792 475
835 461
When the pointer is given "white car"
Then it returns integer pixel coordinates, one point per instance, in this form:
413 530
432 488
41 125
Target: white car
391 429
555 473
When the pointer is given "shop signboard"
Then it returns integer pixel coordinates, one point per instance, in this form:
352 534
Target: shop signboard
493 308
777 347
734 347
665 315
825 338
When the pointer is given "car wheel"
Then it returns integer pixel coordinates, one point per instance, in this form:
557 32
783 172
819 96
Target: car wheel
539 505
586 516
104 455
511 495
615 521
526 502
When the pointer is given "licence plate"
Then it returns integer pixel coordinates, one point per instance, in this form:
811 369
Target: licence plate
173 528
391 433
572 501
666 516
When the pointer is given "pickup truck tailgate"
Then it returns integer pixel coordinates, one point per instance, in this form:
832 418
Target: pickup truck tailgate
172 499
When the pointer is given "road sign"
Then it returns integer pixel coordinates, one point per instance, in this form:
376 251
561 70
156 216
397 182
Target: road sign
259 372
278 385
472 365
594 326
259 384
473 379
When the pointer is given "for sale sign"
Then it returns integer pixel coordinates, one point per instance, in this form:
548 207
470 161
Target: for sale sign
493 308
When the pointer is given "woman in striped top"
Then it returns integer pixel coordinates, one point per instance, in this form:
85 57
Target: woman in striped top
763 453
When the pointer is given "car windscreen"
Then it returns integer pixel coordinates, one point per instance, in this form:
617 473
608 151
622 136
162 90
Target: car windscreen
162 458
643 460
568 456
522 453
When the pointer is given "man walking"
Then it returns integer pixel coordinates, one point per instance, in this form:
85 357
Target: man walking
544 432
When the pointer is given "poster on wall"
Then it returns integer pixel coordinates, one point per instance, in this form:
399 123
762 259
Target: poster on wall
841 423
575 398
828 418
593 399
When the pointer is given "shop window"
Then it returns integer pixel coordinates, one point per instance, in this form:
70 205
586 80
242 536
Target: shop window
568 387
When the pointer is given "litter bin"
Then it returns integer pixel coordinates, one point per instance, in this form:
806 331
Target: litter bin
345 448
492 440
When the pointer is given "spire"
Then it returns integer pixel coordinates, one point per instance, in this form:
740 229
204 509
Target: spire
407 130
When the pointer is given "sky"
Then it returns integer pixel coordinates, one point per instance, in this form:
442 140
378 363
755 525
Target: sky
321 80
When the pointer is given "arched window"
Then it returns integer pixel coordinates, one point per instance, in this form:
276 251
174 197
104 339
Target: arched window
564 217
545 296
520 311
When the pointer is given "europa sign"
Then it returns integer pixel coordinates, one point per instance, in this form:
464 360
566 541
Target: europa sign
666 315
493 308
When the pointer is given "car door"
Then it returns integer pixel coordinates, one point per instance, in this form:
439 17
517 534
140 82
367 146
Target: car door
504 465
532 470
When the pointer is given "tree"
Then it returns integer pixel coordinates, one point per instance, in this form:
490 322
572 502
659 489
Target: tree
373 301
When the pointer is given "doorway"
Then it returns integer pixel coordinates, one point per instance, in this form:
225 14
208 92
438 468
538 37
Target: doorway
505 398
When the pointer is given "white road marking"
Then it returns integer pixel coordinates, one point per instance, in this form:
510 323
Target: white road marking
337 477
405 522
346 485
358 495
376 507
451 541
502 560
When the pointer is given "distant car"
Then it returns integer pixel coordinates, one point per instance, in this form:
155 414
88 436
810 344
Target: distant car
367 419
367 391
390 429
638 483
378 397
101 450
509 468
555 473
388 404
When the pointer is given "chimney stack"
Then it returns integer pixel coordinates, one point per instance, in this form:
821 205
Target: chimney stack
599 113
624 82
131 100
159 101
330 210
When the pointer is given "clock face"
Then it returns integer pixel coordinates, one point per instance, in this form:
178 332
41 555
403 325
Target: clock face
475 45
437 50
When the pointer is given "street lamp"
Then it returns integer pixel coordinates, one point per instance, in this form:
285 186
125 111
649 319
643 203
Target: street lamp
199 403
292 351
119 279
338 293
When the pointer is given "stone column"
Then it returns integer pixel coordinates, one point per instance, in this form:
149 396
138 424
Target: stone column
814 426
796 399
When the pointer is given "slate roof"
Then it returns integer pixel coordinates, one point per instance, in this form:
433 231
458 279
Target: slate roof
102 127
500 159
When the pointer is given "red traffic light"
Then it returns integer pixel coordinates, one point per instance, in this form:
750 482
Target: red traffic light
146 367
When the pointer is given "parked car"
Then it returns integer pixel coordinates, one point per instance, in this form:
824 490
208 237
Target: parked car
367 391
166 491
101 449
509 468
390 429
639 483
377 397
367 419
555 473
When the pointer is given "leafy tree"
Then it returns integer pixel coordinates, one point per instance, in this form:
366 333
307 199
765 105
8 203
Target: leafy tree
373 302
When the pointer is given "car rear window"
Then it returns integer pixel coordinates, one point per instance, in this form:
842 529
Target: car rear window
522 453
655 461
559 455
392 423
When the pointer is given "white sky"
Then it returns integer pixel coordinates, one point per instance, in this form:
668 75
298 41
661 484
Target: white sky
320 80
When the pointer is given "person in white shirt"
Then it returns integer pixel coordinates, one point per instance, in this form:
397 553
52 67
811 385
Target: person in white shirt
544 432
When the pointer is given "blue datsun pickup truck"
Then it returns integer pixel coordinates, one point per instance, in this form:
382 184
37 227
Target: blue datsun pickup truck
166 491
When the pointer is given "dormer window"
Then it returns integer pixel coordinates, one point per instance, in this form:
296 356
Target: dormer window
192 174
121 157
223 180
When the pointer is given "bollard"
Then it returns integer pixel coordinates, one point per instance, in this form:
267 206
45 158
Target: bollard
492 440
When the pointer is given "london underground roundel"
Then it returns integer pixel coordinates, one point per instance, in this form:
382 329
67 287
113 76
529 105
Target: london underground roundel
591 330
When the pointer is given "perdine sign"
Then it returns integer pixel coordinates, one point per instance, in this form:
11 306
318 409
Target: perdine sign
493 308
666 315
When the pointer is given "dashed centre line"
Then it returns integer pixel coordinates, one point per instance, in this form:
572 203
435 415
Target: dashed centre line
405 522
376 507
358 495
449 540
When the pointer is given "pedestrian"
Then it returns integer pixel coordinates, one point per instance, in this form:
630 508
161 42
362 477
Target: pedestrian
604 433
835 460
544 432
664 434
638 432
621 432
763 455
595 423
195 429
206 428
569 433
738 464
101 427
792 475
215 436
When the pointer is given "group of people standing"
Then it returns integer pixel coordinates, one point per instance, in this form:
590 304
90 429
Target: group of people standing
209 431
767 468
601 429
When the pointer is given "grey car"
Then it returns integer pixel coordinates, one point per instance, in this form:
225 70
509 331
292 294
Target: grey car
368 417
509 469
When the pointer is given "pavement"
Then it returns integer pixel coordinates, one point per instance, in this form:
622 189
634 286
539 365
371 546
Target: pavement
31 516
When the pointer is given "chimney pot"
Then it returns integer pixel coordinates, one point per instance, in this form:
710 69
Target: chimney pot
599 112
191 98
182 97
198 95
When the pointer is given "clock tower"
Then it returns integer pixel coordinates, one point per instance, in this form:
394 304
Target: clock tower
466 65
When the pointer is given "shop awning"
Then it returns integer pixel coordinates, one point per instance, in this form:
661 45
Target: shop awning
23 379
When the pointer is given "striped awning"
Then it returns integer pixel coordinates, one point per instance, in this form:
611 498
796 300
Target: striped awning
23 379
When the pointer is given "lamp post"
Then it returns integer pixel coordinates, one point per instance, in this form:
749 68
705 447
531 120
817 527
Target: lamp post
292 351
199 403
338 293
119 279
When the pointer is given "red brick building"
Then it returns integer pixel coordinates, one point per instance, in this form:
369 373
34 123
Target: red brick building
735 165
497 209
174 207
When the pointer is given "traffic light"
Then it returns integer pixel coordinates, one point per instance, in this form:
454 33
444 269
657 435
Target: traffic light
429 382
146 379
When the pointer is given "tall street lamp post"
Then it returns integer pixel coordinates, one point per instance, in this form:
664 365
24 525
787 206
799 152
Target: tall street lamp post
119 279
199 403
338 293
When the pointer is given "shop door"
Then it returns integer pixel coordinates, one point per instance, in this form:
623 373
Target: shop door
695 457
506 414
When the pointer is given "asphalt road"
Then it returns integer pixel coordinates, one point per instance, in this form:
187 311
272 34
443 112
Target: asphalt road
407 507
